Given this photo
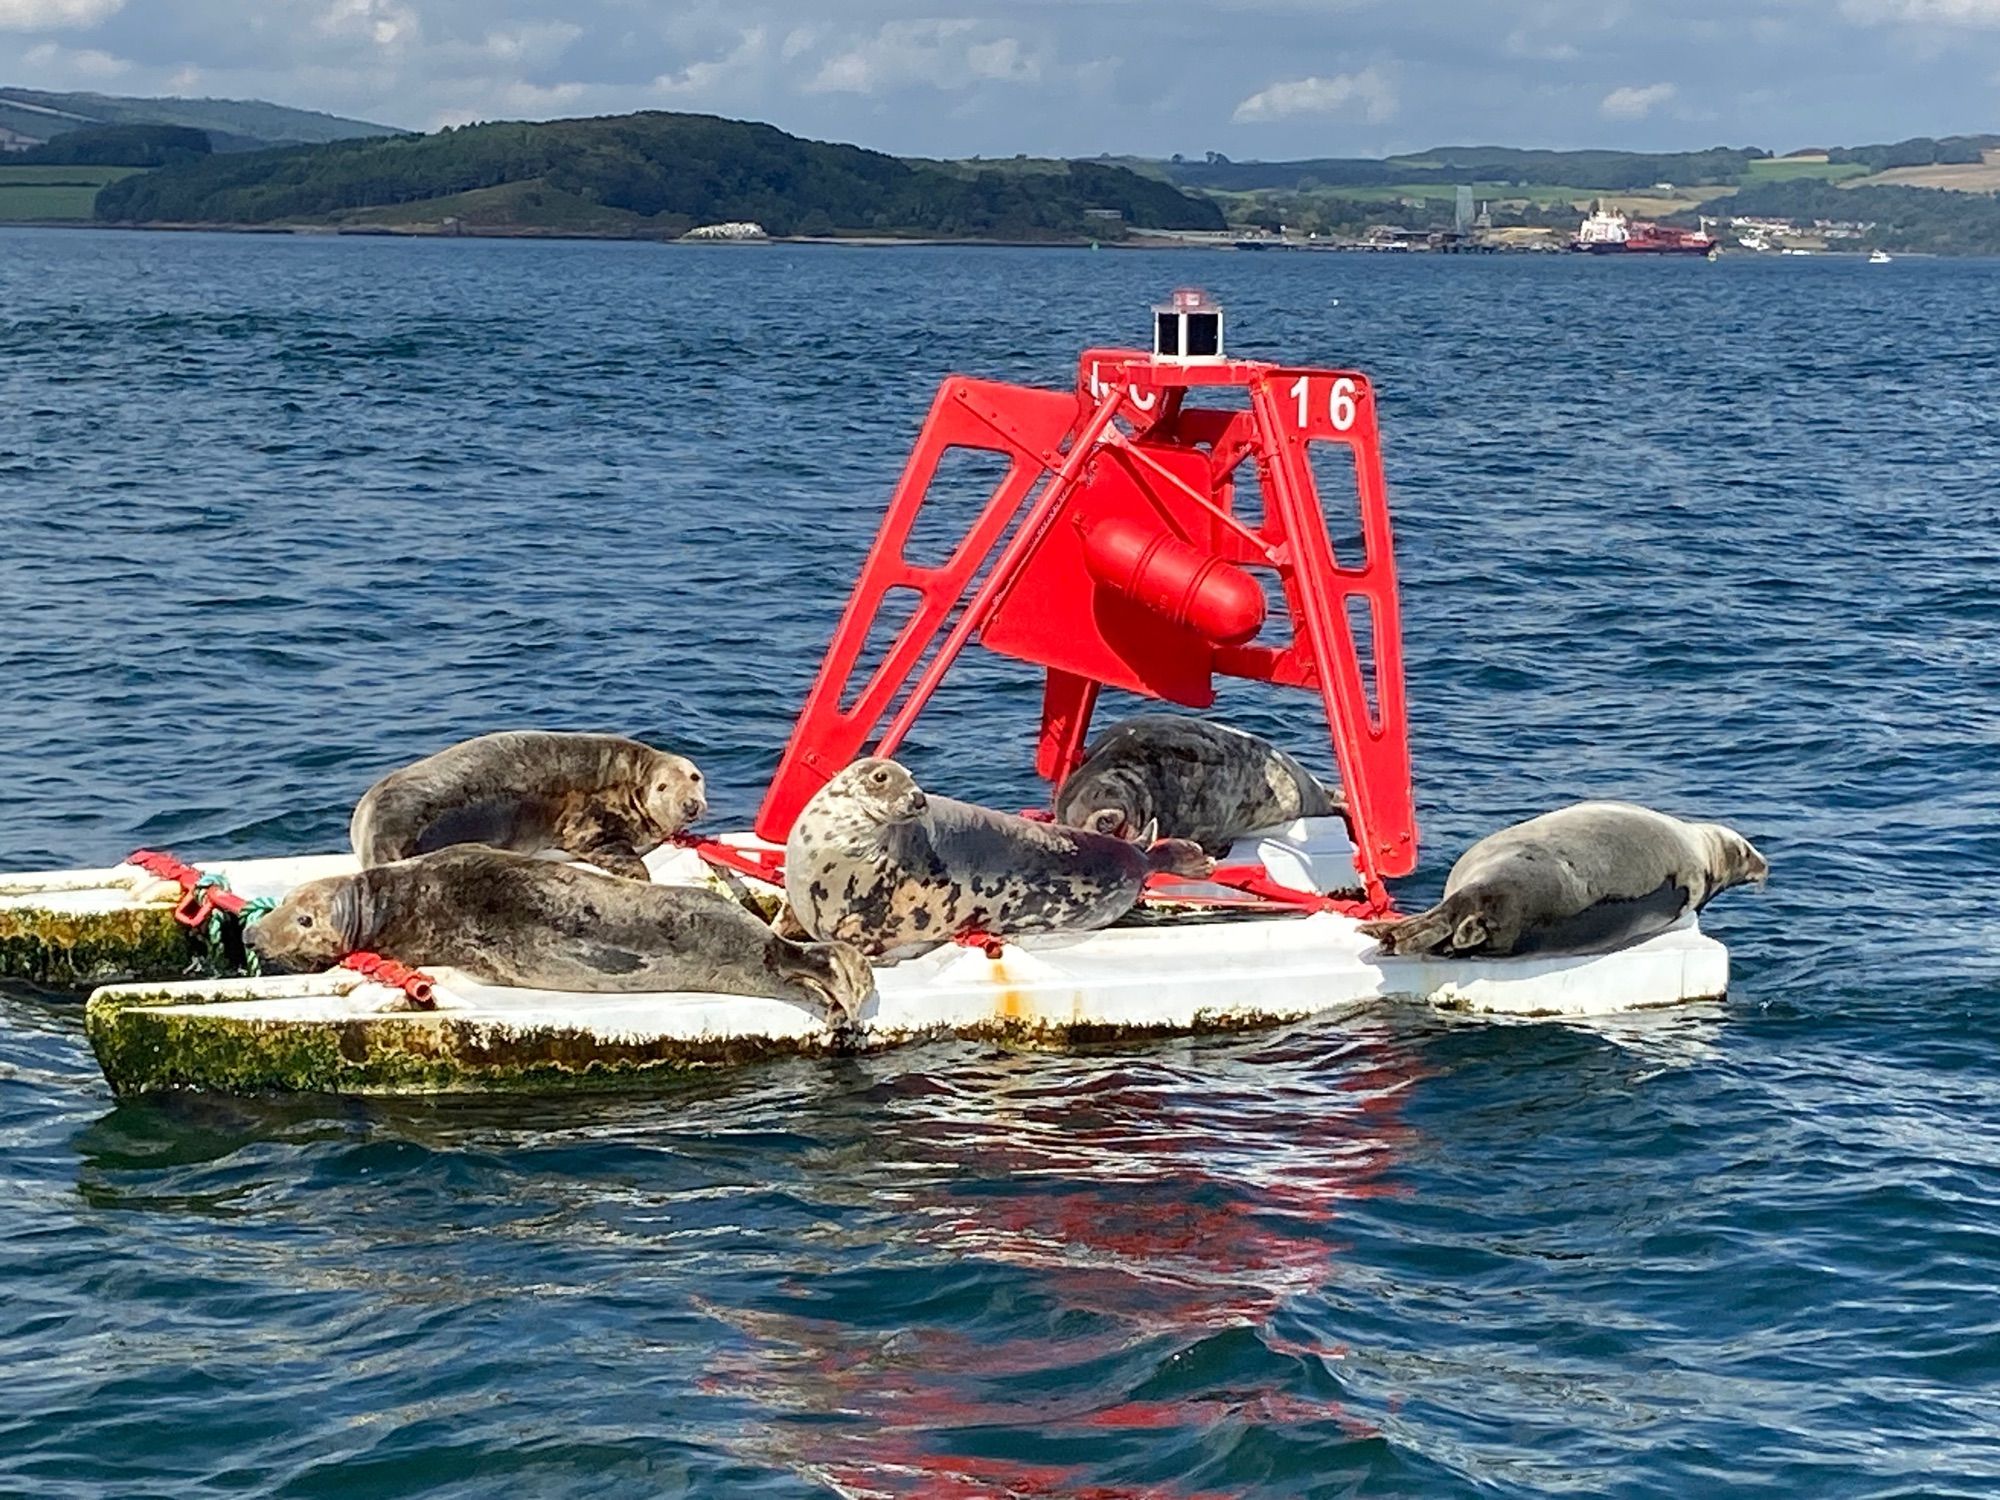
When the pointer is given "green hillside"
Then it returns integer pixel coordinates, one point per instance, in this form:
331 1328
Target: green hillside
233 124
651 173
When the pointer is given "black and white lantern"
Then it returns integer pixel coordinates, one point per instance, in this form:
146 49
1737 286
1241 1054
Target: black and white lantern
1188 329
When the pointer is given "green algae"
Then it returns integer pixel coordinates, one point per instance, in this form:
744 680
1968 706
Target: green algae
146 1046
76 950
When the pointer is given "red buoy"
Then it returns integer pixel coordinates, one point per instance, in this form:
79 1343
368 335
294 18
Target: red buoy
1182 583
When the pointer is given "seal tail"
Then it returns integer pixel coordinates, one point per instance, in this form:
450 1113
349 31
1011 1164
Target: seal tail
1449 927
1181 857
846 980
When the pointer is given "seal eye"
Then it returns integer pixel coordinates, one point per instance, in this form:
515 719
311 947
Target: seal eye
304 920
695 777
879 776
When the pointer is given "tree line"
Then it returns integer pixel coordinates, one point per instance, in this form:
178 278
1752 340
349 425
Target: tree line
655 165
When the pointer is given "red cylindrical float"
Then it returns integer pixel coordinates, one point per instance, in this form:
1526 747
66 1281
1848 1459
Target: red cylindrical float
1186 585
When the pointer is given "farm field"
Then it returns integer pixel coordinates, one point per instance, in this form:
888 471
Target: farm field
1783 169
32 194
1980 177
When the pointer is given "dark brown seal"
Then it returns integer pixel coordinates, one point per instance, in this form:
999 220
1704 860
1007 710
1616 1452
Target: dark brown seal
596 797
1582 879
874 862
1195 778
515 920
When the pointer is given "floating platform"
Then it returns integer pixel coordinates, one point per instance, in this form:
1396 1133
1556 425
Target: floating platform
1176 968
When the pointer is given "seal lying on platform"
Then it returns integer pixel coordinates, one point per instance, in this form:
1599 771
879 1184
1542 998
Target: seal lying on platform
874 862
595 796
1582 879
1201 780
511 919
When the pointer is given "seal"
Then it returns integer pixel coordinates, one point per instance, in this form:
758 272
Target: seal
1200 780
875 862
1582 879
512 919
596 797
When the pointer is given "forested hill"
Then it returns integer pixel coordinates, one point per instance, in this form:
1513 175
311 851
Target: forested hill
644 173
231 124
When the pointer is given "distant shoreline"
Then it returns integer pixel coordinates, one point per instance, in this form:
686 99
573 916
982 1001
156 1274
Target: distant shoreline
1152 240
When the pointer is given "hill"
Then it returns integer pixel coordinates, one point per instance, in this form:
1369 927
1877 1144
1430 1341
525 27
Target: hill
232 124
651 173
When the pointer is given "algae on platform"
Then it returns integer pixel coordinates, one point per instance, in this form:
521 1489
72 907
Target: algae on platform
147 1046
76 950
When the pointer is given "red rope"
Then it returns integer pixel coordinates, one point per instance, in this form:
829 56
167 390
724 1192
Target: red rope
416 984
201 899
1255 881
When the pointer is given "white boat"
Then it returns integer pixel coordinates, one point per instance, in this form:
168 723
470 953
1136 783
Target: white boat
1879 257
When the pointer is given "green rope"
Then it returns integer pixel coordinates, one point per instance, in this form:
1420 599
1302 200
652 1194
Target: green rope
216 931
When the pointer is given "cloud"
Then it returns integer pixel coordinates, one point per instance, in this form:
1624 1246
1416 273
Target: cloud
79 65
943 54
1970 13
55 15
386 23
1369 90
1635 103
698 79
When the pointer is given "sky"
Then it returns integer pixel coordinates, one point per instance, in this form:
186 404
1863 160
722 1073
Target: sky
1266 79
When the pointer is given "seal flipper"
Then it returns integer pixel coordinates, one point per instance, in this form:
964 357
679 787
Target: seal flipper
840 976
608 959
1444 929
613 857
1181 857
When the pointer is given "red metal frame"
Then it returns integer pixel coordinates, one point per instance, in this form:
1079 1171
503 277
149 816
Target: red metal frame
1128 446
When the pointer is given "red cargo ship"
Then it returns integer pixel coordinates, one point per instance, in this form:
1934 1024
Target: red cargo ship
1613 234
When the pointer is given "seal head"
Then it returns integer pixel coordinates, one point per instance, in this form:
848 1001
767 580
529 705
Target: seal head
1193 778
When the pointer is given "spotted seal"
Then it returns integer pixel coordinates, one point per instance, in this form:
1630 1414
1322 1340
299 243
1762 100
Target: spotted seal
1582 879
1201 780
511 919
597 797
875 862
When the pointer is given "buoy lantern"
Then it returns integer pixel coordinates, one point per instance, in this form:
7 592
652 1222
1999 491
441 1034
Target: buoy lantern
1188 328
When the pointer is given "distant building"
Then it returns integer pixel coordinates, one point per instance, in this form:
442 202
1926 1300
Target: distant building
1113 215
1462 217
13 140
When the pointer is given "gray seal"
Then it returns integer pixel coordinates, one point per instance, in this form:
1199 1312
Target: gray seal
596 797
875 862
511 919
1582 879
1198 779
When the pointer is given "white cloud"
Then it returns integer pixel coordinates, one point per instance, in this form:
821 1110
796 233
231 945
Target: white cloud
1520 42
73 65
538 42
1924 12
1368 90
386 23
701 78
54 15
941 53
1630 103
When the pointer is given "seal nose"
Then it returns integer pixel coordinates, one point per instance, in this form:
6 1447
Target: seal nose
914 802
693 807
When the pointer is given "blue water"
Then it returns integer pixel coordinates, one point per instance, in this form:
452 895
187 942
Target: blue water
277 514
